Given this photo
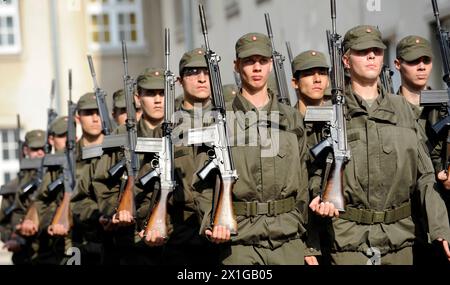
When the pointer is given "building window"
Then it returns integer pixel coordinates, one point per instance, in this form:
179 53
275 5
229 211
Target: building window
111 21
232 9
9 27
9 144
9 162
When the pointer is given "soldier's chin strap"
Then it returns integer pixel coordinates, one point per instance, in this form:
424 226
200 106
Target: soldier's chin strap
328 165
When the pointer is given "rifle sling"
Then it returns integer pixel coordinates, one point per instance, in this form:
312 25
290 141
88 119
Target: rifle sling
270 208
370 217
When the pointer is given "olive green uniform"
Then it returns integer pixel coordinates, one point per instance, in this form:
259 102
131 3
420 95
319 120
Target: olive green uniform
270 198
184 246
8 192
389 171
21 203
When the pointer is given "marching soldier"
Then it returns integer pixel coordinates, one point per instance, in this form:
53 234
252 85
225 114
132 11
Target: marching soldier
119 112
389 169
184 245
51 250
23 248
270 197
98 196
311 79
415 62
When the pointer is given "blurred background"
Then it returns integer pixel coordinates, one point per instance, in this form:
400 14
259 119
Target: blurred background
41 40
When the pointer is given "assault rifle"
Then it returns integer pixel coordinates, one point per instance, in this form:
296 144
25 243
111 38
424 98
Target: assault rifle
441 97
63 215
335 145
217 135
131 162
163 164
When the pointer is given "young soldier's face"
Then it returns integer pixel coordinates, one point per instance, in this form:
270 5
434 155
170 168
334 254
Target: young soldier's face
254 71
312 83
90 121
415 73
195 83
33 152
120 115
152 103
58 142
364 65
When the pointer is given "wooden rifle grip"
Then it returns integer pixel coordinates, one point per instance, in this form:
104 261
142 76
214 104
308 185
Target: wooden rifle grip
224 214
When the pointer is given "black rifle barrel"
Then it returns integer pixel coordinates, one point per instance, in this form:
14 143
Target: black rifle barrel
278 59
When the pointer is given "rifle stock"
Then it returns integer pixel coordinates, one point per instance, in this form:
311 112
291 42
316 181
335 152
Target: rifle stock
158 218
32 214
63 215
224 215
333 189
127 197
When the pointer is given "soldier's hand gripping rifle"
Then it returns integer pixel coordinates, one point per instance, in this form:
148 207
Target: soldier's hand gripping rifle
217 136
100 95
334 147
126 202
63 214
163 164
386 79
278 67
441 97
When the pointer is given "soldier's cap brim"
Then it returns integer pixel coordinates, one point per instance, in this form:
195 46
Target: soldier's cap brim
152 84
198 62
91 106
120 104
37 144
256 50
366 44
312 64
415 53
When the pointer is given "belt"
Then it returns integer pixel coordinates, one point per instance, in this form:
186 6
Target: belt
271 208
370 217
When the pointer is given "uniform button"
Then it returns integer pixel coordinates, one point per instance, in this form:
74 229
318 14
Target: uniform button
258 187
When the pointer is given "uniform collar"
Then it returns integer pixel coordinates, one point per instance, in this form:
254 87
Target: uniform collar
241 106
383 111
144 131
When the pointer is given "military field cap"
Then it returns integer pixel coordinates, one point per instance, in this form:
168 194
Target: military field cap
35 139
193 58
119 99
363 37
309 59
411 48
59 126
151 78
253 44
87 102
